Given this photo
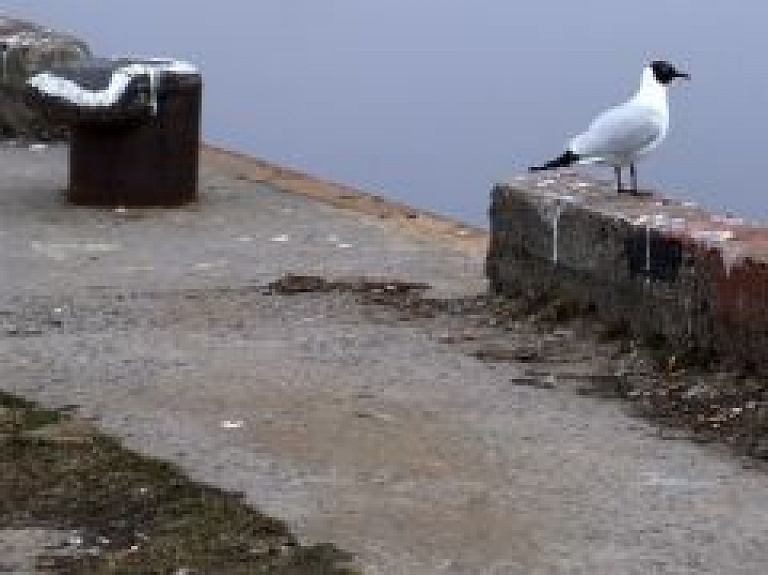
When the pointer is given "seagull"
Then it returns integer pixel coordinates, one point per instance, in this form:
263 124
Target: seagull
620 135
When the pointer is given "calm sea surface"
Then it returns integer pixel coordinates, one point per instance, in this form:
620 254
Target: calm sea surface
430 101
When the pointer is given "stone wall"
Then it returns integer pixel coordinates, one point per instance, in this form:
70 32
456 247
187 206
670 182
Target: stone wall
26 49
694 280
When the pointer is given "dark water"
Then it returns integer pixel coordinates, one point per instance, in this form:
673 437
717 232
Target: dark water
431 101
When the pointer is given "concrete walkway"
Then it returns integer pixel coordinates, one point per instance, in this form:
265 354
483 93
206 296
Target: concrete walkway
353 423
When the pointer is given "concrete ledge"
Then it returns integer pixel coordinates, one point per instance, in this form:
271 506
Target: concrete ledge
407 219
695 280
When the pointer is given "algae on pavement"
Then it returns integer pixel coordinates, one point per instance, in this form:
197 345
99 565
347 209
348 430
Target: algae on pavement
133 514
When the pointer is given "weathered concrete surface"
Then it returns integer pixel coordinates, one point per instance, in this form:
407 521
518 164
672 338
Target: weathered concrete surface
697 280
26 49
355 425
20 548
403 218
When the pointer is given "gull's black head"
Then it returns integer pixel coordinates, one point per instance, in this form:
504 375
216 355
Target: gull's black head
664 72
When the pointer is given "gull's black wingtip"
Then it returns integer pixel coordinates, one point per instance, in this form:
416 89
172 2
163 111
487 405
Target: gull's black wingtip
562 161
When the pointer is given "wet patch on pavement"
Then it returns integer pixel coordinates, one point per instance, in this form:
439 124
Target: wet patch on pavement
554 338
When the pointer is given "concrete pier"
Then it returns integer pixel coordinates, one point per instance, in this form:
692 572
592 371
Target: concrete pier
692 280
388 429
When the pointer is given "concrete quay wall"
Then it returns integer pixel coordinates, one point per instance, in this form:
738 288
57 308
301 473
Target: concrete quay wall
691 279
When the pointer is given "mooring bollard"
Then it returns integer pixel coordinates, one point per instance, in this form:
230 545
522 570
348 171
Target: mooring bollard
135 128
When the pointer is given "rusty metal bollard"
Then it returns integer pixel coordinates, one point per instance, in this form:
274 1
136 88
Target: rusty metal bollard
135 129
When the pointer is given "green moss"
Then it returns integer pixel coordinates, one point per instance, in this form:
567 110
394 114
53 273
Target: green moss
142 514
17 415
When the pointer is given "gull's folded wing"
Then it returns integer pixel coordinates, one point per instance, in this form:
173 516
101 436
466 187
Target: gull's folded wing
620 132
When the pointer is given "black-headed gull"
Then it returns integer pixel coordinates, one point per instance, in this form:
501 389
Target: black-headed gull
620 135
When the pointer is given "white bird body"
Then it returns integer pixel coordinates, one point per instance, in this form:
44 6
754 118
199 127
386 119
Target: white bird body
624 133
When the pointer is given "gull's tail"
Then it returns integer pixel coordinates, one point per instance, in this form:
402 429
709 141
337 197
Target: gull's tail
562 161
